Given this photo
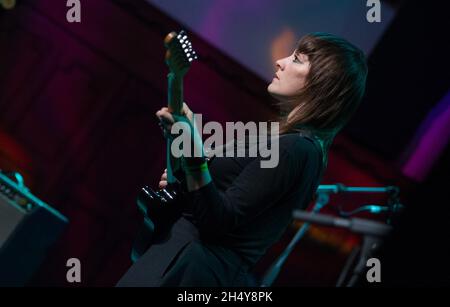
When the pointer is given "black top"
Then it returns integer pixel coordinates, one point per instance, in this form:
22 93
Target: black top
232 221
247 208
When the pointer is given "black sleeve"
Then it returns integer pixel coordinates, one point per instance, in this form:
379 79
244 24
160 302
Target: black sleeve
253 191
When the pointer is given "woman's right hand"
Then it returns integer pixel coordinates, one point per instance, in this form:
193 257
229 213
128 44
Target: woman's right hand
163 181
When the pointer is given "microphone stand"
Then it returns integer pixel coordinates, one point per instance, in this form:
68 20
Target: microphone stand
323 195
372 231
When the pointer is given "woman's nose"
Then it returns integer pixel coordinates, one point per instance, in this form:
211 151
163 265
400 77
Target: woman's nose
279 64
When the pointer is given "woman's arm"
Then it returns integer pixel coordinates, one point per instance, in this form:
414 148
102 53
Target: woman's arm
252 192
197 173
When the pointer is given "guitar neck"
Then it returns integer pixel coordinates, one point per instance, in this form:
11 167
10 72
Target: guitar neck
178 57
175 93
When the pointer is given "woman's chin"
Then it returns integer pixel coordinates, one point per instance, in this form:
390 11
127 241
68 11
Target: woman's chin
271 89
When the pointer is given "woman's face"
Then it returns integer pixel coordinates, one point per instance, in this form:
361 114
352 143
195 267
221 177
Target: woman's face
290 77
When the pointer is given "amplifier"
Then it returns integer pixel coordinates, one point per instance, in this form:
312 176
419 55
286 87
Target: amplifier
28 228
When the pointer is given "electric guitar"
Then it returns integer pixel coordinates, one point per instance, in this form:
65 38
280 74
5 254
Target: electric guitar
162 207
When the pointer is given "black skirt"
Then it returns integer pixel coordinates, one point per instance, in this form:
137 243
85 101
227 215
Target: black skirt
184 260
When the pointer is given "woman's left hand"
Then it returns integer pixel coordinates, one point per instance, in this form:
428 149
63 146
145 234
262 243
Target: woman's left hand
167 120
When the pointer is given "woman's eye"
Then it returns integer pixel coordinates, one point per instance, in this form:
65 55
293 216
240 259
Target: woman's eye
297 60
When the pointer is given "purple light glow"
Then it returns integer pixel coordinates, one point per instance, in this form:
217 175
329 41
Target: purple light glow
431 139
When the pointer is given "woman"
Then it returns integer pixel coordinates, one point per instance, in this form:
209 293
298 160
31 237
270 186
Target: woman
235 210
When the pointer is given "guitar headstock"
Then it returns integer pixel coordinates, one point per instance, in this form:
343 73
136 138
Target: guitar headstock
179 54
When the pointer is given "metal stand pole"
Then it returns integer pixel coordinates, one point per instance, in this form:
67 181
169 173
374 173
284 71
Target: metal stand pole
275 268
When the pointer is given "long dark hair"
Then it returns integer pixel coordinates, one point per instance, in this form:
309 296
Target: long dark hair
333 90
